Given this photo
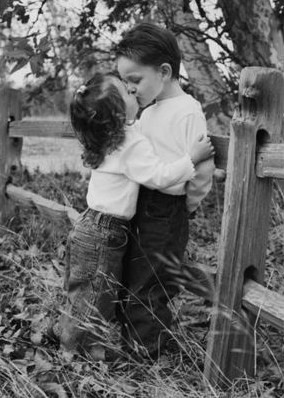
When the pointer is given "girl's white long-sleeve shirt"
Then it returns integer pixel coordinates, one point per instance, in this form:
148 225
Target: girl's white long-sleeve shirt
114 185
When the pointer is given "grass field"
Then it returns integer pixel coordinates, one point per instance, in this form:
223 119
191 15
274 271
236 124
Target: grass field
52 154
32 268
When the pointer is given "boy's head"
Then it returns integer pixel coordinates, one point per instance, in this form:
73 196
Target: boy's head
148 55
151 45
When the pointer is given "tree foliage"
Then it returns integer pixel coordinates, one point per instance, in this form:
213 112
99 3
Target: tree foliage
61 43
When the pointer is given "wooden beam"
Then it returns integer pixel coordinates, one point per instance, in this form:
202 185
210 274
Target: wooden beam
4 114
270 158
257 299
41 128
10 148
221 145
264 303
270 161
46 207
244 232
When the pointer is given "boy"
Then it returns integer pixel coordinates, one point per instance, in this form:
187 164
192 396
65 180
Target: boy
148 61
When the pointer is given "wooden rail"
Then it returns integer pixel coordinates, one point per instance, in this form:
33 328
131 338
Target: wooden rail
270 157
264 303
46 207
41 128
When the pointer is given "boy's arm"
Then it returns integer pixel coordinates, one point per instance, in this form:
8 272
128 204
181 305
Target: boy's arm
140 164
198 188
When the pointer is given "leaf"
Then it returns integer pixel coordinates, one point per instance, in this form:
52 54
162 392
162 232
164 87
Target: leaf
42 364
22 365
36 63
36 337
54 388
4 4
25 315
44 44
20 11
131 387
8 348
24 45
34 251
17 53
19 65
19 48
61 251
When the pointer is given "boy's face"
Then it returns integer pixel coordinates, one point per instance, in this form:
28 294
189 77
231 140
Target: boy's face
145 82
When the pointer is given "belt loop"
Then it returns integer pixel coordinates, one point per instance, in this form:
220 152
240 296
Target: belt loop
98 217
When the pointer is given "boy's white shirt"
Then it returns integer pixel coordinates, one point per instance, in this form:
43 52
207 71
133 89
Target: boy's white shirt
114 186
173 125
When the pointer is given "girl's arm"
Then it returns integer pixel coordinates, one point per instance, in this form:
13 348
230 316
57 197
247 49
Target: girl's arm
141 164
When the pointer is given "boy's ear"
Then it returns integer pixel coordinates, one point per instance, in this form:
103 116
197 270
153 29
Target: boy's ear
166 70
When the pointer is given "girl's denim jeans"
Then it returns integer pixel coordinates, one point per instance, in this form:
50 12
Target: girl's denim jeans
95 249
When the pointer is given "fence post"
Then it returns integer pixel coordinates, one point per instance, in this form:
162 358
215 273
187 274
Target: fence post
242 248
10 148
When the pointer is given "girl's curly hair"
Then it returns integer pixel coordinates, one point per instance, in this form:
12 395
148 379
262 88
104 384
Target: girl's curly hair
98 116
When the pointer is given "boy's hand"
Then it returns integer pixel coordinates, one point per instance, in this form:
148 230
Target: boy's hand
202 150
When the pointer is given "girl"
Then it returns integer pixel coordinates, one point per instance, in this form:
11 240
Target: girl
102 115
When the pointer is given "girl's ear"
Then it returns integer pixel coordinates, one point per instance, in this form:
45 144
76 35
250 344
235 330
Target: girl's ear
166 71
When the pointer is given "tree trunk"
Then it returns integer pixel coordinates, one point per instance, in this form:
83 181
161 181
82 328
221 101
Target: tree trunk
255 31
257 36
204 79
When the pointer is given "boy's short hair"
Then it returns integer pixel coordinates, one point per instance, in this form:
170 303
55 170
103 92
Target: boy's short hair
151 45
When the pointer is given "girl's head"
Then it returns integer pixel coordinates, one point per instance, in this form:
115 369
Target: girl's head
148 56
99 111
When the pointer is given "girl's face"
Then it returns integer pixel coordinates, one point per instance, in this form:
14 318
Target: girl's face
145 82
129 99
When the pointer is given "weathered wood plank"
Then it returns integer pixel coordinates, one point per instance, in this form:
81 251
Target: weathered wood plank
245 224
270 157
10 148
15 144
270 161
46 207
221 145
41 128
264 303
4 112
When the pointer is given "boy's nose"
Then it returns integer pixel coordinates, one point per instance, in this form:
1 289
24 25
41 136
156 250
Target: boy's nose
131 90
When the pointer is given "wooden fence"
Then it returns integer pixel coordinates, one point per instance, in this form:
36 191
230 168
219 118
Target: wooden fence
252 157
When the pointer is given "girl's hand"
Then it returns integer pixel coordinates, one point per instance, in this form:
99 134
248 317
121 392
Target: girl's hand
202 150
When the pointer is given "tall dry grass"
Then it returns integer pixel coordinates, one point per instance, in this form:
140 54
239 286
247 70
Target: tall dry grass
32 268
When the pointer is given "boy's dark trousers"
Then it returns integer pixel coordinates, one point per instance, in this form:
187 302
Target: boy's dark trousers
159 234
